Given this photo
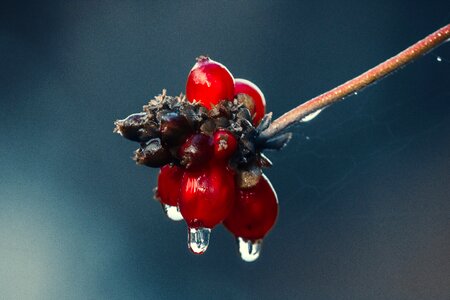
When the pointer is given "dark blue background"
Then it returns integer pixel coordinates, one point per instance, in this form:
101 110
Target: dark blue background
363 189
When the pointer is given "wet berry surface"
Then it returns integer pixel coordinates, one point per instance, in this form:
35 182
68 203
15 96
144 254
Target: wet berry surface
208 147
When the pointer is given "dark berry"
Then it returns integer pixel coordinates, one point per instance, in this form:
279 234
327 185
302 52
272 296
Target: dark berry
136 128
196 151
174 128
153 154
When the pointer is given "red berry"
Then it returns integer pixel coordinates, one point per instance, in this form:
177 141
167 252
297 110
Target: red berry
254 212
209 82
169 181
225 144
252 97
207 196
196 151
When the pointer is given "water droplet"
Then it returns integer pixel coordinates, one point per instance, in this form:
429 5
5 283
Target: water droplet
248 249
172 212
355 93
438 58
311 116
198 239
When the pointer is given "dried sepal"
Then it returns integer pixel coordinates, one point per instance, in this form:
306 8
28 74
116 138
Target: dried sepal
248 177
263 161
222 122
246 101
208 127
278 142
265 122
244 113
173 120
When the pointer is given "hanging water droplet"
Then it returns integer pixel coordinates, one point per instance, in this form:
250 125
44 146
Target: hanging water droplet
355 93
248 249
198 239
311 116
438 58
172 212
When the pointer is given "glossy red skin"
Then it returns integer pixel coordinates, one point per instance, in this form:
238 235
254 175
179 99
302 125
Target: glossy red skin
225 144
169 181
209 82
207 196
245 86
255 211
196 151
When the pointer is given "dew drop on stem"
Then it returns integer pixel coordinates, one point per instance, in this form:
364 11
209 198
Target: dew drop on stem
311 116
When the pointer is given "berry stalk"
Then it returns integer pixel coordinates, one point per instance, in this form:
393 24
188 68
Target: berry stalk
365 79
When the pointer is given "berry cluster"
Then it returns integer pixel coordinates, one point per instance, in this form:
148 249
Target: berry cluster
207 145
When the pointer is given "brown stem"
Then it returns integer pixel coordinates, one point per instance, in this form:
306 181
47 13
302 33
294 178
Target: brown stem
376 73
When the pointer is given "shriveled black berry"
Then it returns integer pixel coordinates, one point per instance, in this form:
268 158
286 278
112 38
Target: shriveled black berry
174 128
136 127
153 154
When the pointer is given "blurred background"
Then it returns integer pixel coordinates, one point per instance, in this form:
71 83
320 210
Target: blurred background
364 189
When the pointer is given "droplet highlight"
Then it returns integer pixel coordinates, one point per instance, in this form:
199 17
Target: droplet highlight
438 58
249 249
311 116
198 239
172 212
